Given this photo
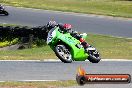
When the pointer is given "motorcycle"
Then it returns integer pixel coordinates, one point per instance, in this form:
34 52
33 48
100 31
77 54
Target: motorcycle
3 11
68 49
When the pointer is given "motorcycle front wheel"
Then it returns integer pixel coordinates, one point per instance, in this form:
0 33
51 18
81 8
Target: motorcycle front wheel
63 53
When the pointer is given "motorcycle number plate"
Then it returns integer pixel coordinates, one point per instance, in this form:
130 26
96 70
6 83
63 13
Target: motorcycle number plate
51 35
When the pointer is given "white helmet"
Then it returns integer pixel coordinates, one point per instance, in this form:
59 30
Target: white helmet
51 24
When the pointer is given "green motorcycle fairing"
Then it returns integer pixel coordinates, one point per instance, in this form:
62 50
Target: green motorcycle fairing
76 49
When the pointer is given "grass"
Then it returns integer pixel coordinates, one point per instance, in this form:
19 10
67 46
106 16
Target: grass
28 54
120 8
5 24
54 84
109 47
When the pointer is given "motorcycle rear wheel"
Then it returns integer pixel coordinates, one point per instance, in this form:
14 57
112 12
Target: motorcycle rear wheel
94 56
63 53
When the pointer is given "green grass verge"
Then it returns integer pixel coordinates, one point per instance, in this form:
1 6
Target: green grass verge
104 7
109 47
54 84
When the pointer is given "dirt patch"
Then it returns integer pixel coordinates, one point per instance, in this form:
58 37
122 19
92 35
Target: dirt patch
17 87
14 47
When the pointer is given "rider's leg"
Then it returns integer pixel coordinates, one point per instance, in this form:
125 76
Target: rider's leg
85 44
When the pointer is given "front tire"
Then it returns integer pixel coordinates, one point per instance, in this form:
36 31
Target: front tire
6 13
63 53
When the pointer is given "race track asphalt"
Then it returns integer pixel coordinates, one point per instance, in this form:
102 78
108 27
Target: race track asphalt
81 22
56 70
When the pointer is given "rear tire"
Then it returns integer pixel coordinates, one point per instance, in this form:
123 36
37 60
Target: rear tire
63 53
94 56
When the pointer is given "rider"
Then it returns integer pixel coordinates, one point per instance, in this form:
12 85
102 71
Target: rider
1 6
68 28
